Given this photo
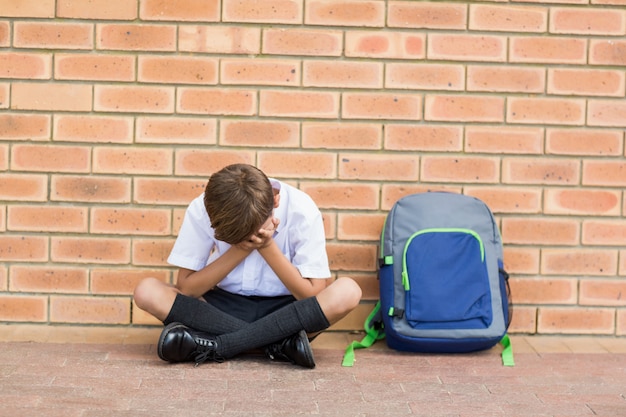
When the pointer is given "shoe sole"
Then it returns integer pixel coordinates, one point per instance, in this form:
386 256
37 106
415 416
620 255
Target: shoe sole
166 330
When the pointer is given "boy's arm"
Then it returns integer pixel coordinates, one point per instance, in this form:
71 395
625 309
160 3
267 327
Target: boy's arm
299 286
196 283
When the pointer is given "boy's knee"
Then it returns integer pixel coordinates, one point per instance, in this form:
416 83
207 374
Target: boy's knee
349 291
144 292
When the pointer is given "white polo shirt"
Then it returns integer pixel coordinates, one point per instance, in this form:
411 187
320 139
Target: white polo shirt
300 237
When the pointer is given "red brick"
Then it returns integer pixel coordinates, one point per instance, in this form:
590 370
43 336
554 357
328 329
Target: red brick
604 173
352 257
49 158
47 35
136 37
582 202
204 162
90 310
379 167
79 250
464 108
521 260
219 39
123 281
217 101
579 262
94 67
508 18
425 77
5 34
302 42
548 50
393 192
23 248
580 82
622 263
202 131
28 8
361 226
607 52
177 70
467 47
604 232
602 292
524 320
544 290
508 199
3 278
342 74
47 219
51 97
268 11
135 99
97 9
382 106
423 138
543 231
298 164
343 195
140 317
540 171
515 140
180 10
168 191
364 13
18 126
23 187
460 169
25 65
130 221
393 45
505 79
259 72
23 308
621 323
4 157
97 129
576 321
607 113
546 111
341 135
151 252
427 15
49 279
258 133
138 160
89 189
315 104
587 21
584 142
4 95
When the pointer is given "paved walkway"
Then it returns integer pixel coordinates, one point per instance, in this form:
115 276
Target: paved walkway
122 376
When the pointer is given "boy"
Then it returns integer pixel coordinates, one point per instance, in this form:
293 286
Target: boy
253 273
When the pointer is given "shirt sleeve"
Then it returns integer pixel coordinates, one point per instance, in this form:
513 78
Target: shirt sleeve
195 239
310 255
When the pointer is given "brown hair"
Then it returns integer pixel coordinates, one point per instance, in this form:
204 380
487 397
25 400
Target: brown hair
238 199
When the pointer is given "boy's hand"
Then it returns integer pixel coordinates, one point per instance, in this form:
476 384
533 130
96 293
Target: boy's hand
262 238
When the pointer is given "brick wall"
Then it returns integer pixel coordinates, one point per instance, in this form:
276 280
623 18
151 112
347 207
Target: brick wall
114 113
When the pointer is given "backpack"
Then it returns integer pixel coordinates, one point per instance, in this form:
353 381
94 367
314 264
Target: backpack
443 287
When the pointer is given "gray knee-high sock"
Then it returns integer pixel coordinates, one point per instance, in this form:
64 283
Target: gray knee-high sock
200 315
303 314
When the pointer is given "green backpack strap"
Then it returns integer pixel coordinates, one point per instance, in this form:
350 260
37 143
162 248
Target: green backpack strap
507 351
374 330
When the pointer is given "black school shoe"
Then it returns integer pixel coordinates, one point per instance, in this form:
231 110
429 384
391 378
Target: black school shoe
179 343
295 349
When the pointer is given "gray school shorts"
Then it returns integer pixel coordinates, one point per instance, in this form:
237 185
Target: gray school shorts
246 308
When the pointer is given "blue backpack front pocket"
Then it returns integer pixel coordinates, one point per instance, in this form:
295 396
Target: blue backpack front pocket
446 264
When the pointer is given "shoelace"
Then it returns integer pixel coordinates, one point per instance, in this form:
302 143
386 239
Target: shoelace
206 350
